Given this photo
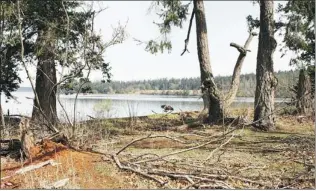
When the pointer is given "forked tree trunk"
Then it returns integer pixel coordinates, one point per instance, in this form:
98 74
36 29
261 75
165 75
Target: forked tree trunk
214 102
265 79
304 94
45 81
229 98
211 95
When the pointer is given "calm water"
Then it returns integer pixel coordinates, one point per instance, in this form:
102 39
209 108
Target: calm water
120 105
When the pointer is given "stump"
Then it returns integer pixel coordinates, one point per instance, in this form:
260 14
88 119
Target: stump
27 137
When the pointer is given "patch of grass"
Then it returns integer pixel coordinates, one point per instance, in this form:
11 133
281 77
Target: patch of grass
105 169
164 116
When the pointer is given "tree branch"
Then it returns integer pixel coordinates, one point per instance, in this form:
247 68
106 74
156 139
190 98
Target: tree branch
186 41
118 163
241 49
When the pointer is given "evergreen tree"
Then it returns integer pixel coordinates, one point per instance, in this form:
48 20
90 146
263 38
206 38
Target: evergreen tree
59 33
299 36
9 79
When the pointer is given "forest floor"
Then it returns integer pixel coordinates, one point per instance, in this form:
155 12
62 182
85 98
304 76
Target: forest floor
196 156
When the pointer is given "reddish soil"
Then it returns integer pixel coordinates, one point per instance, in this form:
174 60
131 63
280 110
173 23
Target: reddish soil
85 170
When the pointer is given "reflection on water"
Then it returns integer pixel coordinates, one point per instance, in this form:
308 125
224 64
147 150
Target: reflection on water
122 105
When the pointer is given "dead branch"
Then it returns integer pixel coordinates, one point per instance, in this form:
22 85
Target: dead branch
193 185
81 85
146 154
185 150
218 148
57 184
188 177
241 49
31 167
148 137
186 41
207 186
225 177
118 163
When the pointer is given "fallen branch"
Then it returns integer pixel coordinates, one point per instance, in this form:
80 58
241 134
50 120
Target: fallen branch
218 148
193 184
225 177
184 150
207 186
32 167
118 163
140 156
188 178
214 176
57 184
148 137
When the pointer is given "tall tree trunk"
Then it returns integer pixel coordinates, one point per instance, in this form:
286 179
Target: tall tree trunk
45 80
2 122
304 93
266 81
211 94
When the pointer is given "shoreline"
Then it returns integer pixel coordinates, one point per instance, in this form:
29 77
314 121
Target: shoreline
151 92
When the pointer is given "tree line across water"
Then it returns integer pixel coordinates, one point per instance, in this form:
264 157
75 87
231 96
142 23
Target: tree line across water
184 86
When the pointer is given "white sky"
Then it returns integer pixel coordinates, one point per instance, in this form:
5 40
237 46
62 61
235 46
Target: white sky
226 23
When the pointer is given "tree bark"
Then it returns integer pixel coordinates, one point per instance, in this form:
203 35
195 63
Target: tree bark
27 138
45 80
229 98
265 79
304 94
210 92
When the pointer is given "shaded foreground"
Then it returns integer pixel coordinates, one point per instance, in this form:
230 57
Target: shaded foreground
243 158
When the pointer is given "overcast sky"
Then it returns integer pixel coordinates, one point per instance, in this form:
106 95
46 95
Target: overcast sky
226 23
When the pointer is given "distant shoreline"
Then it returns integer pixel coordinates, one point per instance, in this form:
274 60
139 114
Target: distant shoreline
147 92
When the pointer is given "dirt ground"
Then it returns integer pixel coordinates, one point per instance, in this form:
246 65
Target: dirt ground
284 158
